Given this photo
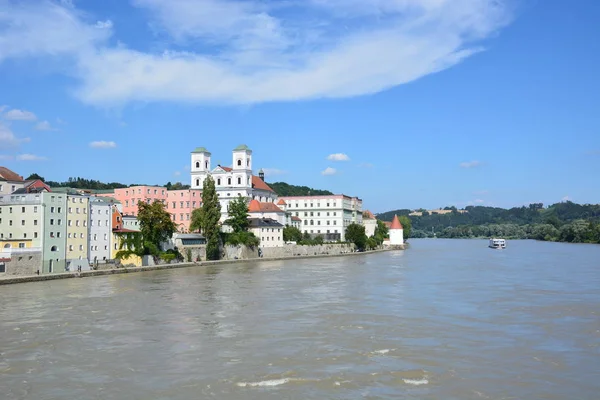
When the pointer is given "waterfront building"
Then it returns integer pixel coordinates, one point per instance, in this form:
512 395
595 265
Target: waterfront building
180 204
269 231
369 222
54 232
327 216
11 182
131 222
230 182
396 233
262 210
78 245
100 229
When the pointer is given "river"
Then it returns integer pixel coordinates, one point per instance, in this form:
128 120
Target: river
446 319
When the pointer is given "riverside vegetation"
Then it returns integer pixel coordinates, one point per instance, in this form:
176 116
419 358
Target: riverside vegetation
561 222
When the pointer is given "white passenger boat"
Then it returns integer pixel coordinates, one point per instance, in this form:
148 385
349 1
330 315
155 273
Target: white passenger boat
497 243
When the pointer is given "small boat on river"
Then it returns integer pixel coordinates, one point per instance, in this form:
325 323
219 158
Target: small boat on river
497 243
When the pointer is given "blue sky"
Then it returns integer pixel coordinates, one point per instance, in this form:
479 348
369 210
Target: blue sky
404 103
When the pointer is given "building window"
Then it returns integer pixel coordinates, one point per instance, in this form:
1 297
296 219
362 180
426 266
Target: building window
22 209
239 180
228 182
197 182
80 247
54 248
51 221
312 222
206 164
197 164
22 222
239 163
51 209
70 247
34 209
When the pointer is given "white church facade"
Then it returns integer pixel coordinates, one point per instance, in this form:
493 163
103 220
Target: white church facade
230 182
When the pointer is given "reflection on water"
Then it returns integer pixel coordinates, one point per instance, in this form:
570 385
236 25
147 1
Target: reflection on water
445 319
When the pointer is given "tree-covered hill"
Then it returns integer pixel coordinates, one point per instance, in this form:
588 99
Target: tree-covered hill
567 221
285 189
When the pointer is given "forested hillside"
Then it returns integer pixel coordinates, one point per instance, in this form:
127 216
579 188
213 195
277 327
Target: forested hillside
566 222
285 189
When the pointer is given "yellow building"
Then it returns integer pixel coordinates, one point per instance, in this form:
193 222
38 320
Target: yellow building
120 235
78 215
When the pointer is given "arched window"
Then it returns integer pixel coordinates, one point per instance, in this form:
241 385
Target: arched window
219 181
206 164
197 182
229 181
54 248
248 162
197 164
7 246
239 180
239 163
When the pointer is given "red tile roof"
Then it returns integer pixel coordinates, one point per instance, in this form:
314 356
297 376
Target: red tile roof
9 175
396 223
256 206
226 168
258 183
368 215
281 202
294 218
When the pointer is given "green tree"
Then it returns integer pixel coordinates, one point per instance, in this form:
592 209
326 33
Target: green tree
406 224
355 233
292 234
156 225
371 243
381 232
206 218
238 214
35 176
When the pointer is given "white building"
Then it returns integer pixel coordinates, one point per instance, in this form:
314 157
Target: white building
100 229
269 231
396 233
131 222
328 216
230 182
369 222
261 210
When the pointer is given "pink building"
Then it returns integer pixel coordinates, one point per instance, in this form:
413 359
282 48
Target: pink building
179 203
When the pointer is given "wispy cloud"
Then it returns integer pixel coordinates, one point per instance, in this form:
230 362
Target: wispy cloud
8 140
30 157
101 144
273 171
470 164
19 115
329 171
253 51
338 157
44 126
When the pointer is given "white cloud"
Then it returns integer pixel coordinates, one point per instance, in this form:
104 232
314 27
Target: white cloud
329 171
470 164
30 157
8 139
102 144
274 171
253 51
19 115
44 126
176 173
566 198
338 157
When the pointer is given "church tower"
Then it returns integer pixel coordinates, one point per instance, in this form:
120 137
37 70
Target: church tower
242 167
200 167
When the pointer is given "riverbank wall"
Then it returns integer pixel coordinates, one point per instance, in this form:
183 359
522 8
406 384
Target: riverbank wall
126 270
